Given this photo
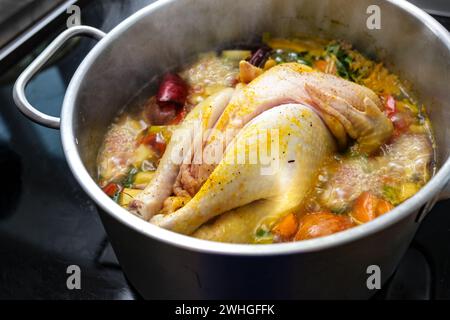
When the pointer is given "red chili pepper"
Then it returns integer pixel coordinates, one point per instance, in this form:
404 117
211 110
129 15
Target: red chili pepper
156 141
401 123
172 89
111 189
390 106
179 117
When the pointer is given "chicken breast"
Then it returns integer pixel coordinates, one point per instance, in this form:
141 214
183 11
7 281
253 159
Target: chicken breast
348 109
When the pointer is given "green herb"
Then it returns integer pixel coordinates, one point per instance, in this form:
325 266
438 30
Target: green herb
262 235
339 210
342 59
391 194
282 56
115 198
128 183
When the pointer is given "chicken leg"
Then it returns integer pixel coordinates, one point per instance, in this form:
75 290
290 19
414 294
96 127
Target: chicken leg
299 142
181 145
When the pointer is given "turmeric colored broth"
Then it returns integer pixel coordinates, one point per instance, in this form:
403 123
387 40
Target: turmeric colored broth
350 189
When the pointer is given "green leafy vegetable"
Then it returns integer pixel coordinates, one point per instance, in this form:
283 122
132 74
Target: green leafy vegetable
282 56
262 235
128 183
391 194
342 59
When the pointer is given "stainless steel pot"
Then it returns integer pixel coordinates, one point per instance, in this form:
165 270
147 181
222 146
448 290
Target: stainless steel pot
162 264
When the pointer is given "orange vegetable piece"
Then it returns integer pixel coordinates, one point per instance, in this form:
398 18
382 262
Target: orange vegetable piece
368 207
111 189
320 224
321 65
287 227
156 141
179 117
248 72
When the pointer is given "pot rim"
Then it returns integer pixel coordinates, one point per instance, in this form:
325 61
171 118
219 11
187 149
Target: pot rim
427 193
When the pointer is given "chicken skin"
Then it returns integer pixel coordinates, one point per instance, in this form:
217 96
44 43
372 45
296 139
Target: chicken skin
298 141
348 109
203 116
312 115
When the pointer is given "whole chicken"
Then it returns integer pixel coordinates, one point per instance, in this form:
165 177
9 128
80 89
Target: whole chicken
313 114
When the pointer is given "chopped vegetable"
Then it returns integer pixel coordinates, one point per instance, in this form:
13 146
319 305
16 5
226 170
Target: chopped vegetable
321 65
165 131
342 60
248 72
127 195
142 153
260 56
407 190
179 117
172 89
401 122
156 141
236 54
281 56
159 115
390 105
262 235
391 194
130 178
112 189
313 46
320 224
287 227
143 178
368 207
381 81
269 64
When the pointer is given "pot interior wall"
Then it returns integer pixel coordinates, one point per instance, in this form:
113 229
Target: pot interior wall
163 38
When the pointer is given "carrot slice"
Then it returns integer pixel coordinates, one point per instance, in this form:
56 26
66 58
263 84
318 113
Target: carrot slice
287 227
368 207
319 224
321 65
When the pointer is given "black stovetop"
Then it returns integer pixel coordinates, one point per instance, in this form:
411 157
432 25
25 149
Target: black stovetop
48 223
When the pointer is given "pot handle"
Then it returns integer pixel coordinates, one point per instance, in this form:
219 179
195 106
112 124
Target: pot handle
19 87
